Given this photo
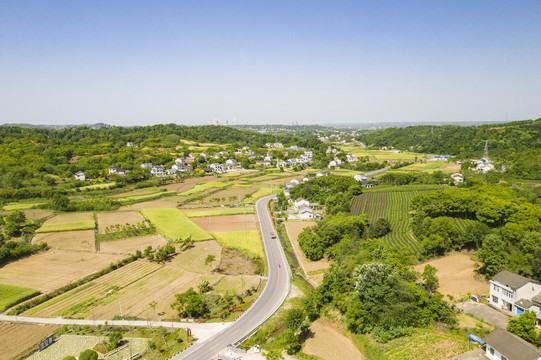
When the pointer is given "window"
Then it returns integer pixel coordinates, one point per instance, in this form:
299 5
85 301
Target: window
507 293
496 288
491 351
495 299
504 358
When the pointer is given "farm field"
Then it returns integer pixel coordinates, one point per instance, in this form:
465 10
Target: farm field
19 339
381 155
457 276
294 228
220 212
227 223
63 218
22 205
97 186
67 226
70 240
131 245
161 203
261 192
188 184
392 203
137 192
145 197
173 224
199 188
328 343
106 219
53 269
35 214
431 166
249 241
10 294
228 196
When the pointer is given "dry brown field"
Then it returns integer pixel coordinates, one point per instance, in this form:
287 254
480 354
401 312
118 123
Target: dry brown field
131 245
36 214
194 258
165 202
54 268
106 219
456 274
189 183
294 228
134 193
329 343
18 339
69 217
69 240
227 223
227 196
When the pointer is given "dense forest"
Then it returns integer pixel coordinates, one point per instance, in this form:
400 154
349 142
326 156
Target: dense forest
516 144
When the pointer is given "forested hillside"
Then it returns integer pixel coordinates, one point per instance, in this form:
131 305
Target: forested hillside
517 144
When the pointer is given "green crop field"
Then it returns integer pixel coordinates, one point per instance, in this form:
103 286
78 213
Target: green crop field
173 224
199 188
381 155
22 205
67 226
392 203
97 186
262 192
226 211
145 197
11 295
249 241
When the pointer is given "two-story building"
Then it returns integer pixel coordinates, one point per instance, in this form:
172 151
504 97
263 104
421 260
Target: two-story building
513 292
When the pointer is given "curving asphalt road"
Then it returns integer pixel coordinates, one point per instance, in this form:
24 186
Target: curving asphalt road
271 298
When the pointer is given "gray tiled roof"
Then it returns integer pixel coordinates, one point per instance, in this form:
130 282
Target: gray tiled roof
511 346
512 280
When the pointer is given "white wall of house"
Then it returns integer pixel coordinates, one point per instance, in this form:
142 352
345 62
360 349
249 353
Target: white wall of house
493 354
501 296
528 291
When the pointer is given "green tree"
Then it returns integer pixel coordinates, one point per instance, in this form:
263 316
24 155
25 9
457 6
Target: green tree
190 304
88 355
293 319
114 340
430 279
524 326
210 259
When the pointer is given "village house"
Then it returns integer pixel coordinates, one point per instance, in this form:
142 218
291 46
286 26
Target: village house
351 158
362 178
170 172
457 178
323 173
515 293
157 170
302 206
117 170
129 144
218 168
146 166
79 175
502 345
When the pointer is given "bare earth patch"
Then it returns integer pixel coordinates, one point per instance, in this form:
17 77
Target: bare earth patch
36 214
19 339
54 268
294 228
193 259
69 240
131 245
234 263
456 275
62 218
106 219
227 223
329 343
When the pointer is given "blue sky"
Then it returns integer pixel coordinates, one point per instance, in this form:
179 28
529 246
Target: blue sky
313 62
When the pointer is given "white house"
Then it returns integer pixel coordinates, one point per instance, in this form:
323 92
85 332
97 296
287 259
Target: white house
502 345
457 178
513 292
129 144
362 178
303 208
157 170
117 170
301 202
351 158
332 164
295 182
171 171
146 166
323 173
79 175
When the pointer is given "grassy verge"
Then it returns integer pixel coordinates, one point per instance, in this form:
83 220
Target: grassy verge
11 295
174 225
67 226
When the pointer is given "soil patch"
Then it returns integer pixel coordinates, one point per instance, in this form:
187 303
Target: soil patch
227 223
456 273
294 228
19 339
234 263
63 218
329 343
193 259
37 214
54 268
106 219
165 202
131 245
70 240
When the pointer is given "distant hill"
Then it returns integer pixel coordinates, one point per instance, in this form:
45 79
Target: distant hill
36 126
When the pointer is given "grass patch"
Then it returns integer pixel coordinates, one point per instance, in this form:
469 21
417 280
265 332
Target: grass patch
173 224
244 241
22 205
144 197
67 226
242 186
262 192
227 211
199 188
97 186
12 295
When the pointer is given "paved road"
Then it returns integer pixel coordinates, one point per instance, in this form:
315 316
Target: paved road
201 331
268 302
